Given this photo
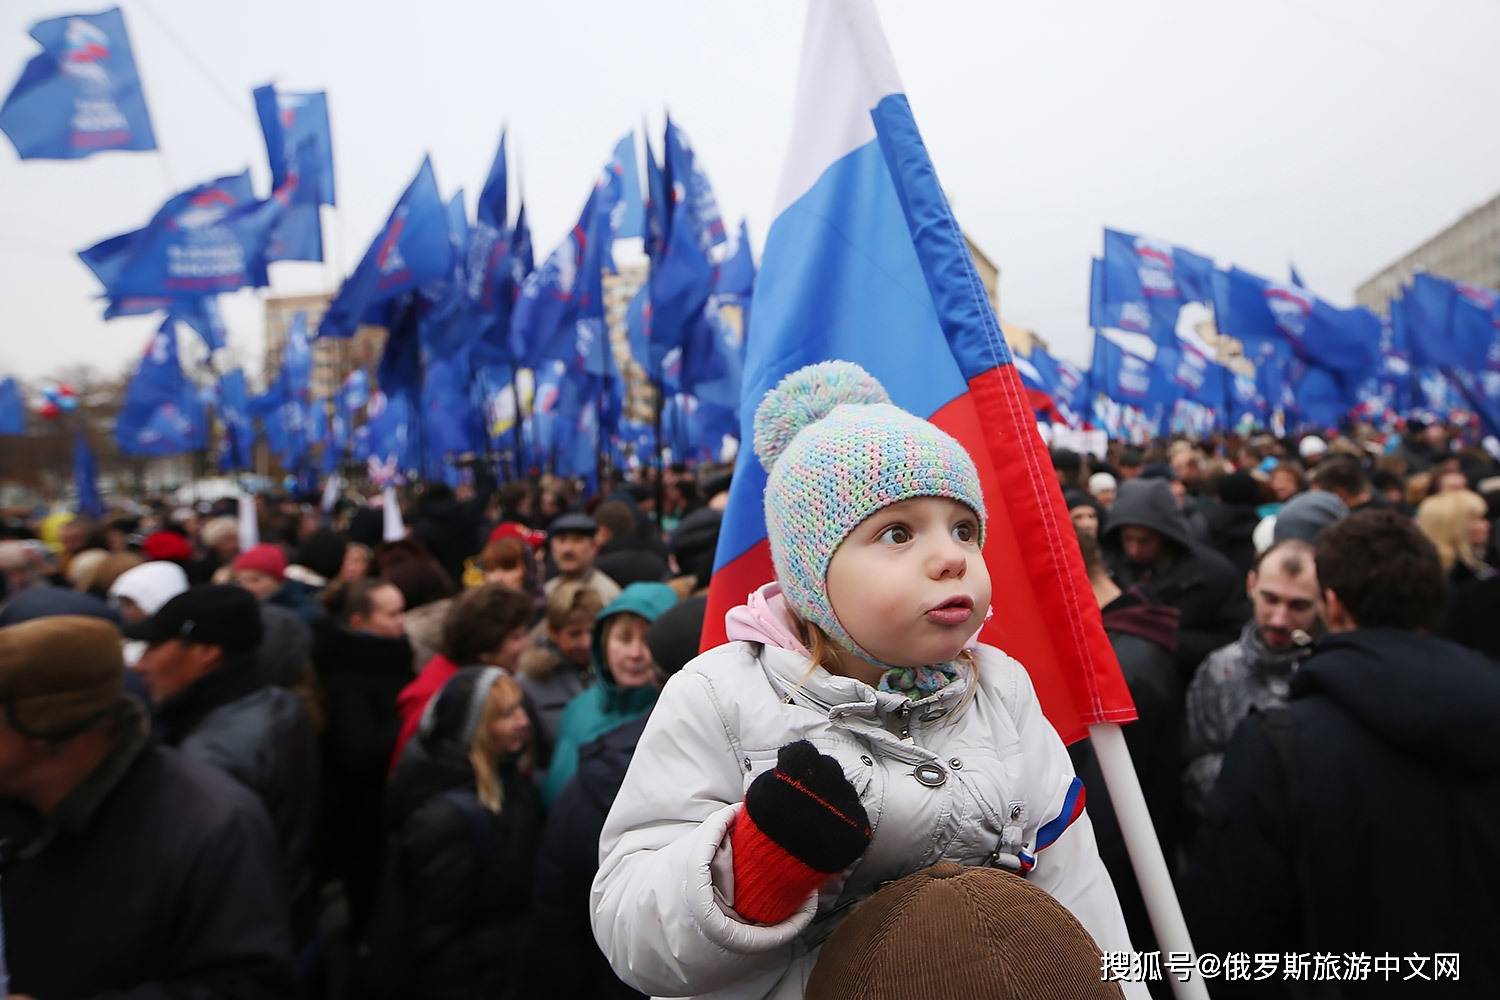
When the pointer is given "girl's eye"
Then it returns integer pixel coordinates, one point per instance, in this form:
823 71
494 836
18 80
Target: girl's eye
965 532
895 535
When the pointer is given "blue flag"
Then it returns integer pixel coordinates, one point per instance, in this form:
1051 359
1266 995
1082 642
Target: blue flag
289 119
1141 285
491 208
690 191
12 408
161 414
237 449
82 95
632 210
209 239
1261 312
411 250
85 473
201 314
658 206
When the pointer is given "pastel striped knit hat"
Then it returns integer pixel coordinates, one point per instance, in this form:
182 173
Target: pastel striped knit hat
836 450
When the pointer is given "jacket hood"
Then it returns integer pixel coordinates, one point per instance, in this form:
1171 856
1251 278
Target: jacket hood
1432 698
1147 503
648 600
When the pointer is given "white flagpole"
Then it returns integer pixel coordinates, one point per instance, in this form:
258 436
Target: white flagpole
394 530
1145 852
249 524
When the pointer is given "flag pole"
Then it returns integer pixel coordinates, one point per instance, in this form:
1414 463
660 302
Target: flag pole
1144 847
515 389
660 489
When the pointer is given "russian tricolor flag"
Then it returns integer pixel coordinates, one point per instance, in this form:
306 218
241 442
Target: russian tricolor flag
864 262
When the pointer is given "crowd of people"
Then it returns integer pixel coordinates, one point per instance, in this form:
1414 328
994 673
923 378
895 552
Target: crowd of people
332 764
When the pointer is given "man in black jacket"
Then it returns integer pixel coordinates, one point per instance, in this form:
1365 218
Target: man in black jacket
1146 543
1363 818
213 702
127 868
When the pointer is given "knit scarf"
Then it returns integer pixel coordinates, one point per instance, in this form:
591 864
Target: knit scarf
917 683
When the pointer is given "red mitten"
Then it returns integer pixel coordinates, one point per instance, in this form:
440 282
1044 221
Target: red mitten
802 822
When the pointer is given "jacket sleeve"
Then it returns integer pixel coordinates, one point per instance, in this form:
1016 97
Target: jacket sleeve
439 878
232 939
657 915
1065 854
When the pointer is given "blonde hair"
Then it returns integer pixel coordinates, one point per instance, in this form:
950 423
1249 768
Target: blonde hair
824 652
571 599
1445 518
483 754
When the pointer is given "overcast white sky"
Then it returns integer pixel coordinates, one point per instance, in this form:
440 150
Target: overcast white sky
1337 134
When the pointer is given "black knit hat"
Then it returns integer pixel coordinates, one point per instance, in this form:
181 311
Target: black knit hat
676 635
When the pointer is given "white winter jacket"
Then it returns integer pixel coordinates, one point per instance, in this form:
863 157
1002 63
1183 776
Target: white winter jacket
985 784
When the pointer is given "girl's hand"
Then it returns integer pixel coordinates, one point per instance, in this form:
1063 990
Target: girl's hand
802 822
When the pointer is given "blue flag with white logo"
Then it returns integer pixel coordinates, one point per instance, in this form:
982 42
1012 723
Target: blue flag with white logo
237 449
411 250
1143 283
209 239
12 408
81 95
689 189
85 478
289 119
161 413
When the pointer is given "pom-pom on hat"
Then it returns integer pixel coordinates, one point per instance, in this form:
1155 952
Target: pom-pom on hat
836 450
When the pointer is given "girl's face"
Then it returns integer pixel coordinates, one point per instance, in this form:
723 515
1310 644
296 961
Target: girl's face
909 584
1283 484
626 653
1477 532
356 563
1085 519
508 728
514 578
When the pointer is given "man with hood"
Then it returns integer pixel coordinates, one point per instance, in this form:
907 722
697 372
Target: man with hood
1364 816
1254 671
1146 542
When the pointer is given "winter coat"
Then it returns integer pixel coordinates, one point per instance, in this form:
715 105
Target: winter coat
465 877
361 675
451 528
1189 576
551 681
156 877
1229 529
300 596
285 651
605 705
1144 637
632 560
1473 616
260 735
984 783
1364 817
566 865
1242 676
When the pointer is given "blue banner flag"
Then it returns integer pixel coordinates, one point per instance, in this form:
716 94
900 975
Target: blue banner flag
288 120
209 239
82 95
631 220
237 449
690 191
411 249
161 414
658 205
201 314
85 478
1142 284
490 210
1260 312
12 408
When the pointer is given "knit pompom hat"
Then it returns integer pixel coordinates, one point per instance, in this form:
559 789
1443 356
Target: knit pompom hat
836 450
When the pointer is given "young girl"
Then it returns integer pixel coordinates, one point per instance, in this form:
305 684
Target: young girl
850 733
465 824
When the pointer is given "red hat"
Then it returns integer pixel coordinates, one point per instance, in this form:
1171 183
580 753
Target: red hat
515 529
168 546
264 558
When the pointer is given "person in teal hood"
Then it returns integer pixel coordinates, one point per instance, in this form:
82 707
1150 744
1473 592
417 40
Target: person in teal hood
628 678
